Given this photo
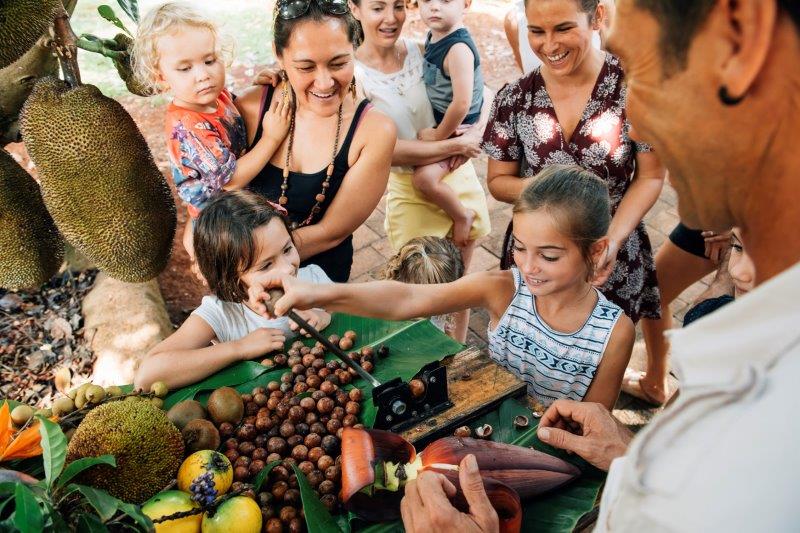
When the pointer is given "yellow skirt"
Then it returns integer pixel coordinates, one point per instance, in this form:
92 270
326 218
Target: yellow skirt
409 215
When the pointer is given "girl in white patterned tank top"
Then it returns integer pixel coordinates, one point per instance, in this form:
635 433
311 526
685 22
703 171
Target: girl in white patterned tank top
548 323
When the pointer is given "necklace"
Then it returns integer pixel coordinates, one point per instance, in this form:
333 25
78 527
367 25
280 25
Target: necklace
320 197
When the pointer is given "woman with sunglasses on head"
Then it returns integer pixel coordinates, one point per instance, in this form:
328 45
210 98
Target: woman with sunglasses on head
332 168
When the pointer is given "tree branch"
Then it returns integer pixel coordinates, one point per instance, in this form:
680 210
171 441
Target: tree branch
64 40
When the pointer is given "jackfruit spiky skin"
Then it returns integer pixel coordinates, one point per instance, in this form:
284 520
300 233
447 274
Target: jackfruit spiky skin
99 180
31 249
148 449
22 22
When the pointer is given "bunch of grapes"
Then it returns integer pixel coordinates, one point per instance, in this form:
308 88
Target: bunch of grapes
203 490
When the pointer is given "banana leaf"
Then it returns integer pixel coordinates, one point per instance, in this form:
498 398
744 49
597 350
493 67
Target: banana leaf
412 344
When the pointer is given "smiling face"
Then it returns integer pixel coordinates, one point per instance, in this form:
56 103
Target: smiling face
548 260
740 266
442 15
318 60
381 20
190 69
275 254
560 34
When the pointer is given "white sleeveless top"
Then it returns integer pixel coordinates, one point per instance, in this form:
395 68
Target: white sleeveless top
555 365
401 95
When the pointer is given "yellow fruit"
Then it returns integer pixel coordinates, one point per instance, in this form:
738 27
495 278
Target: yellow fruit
170 502
206 461
240 514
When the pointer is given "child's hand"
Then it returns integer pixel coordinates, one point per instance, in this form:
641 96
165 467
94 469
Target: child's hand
316 318
427 134
260 341
271 75
276 119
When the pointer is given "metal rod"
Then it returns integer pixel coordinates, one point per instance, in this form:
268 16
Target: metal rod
275 294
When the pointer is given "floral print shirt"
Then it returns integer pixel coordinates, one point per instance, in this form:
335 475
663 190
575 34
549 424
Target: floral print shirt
524 127
203 148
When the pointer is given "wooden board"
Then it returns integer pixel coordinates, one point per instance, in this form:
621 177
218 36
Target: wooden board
476 384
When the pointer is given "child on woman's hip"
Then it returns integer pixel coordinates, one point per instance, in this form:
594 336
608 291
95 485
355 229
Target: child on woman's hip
454 83
181 52
241 240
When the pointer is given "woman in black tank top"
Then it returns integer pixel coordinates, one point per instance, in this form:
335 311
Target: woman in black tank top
317 56
302 190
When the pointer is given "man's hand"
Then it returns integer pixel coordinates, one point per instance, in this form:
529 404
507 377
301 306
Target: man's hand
587 429
425 506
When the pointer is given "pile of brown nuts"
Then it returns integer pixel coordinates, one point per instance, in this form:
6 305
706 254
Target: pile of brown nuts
298 420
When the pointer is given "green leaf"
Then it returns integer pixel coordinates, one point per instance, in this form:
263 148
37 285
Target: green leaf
8 488
135 512
54 449
318 519
108 13
262 476
105 504
28 516
131 8
231 376
78 466
91 524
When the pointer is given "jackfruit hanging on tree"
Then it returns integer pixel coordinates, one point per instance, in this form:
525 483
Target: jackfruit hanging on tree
22 22
31 249
99 180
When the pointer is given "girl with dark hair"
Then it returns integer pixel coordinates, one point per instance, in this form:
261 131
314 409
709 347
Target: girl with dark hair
571 110
240 239
548 324
332 168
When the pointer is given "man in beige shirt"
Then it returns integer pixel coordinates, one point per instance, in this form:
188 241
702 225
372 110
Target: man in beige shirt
714 86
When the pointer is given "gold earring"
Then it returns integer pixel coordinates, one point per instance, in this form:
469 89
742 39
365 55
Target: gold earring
353 91
285 90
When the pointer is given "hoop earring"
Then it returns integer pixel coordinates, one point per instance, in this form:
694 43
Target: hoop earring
727 99
353 91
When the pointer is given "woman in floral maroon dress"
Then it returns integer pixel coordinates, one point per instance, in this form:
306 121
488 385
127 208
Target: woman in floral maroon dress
571 110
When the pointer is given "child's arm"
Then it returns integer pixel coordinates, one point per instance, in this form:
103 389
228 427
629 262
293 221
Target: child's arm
275 125
393 300
608 379
459 65
186 357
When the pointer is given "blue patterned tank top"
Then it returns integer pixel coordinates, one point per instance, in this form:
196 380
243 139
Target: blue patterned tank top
555 365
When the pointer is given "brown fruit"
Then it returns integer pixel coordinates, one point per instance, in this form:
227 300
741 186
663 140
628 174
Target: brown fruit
225 405
199 435
184 412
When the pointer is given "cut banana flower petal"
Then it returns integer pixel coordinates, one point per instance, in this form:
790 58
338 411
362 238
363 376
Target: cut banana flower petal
376 465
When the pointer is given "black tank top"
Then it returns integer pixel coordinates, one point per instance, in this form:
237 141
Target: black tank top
302 190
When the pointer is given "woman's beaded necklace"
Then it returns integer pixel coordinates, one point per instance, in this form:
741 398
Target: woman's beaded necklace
283 200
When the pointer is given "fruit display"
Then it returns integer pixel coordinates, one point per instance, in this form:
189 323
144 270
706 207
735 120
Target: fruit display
170 502
365 357
19 435
98 179
377 464
148 448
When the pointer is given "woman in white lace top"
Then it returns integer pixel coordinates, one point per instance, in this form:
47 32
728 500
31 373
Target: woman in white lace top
389 72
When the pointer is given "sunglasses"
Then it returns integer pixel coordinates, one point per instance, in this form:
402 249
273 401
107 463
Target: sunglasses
291 9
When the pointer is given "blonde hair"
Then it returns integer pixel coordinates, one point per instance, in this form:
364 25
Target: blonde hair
167 19
426 260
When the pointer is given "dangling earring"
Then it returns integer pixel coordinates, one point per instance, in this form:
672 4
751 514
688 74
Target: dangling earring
353 92
727 99
285 90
